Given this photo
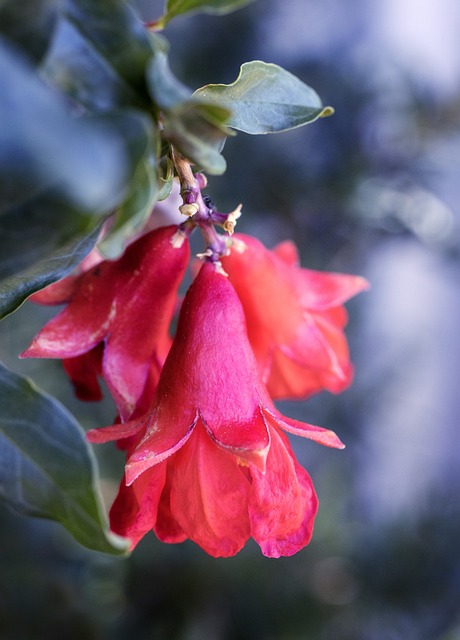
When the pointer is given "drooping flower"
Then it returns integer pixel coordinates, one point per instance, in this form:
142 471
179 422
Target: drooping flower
295 318
126 305
208 461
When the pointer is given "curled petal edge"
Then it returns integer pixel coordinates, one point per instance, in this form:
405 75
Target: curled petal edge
320 435
115 432
144 457
246 456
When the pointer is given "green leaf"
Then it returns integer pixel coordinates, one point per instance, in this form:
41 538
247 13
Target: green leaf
46 467
177 7
265 98
43 238
134 212
29 24
59 178
198 131
166 178
40 242
116 34
166 90
44 145
76 67
140 199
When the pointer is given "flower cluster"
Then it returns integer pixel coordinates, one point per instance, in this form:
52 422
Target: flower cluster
207 454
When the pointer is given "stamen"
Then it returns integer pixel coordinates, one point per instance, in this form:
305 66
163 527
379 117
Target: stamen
189 210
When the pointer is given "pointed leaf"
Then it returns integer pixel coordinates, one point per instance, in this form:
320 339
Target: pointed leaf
29 24
40 244
134 211
116 33
43 144
177 7
59 177
265 98
76 67
46 467
165 89
198 131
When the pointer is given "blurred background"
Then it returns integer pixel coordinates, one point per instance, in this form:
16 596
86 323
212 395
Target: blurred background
373 190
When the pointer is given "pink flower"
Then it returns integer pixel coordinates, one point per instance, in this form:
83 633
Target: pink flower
127 306
295 318
208 461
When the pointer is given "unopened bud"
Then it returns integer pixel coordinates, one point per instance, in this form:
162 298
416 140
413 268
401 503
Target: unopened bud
202 180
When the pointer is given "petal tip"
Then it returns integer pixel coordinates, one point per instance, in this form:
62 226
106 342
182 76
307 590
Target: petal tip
134 468
363 283
30 352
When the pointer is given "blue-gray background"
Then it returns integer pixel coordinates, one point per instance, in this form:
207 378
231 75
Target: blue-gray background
373 190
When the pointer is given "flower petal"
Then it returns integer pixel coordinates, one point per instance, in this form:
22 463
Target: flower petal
75 330
223 374
287 252
63 290
134 511
163 438
166 528
58 292
288 379
322 290
282 502
209 496
317 359
83 371
295 313
249 440
145 307
129 356
118 431
318 434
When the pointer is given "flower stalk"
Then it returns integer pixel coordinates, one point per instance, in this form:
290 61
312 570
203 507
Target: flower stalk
201 211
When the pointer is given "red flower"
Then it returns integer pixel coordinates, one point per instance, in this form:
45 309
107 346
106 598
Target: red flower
209 461
125 304
295 318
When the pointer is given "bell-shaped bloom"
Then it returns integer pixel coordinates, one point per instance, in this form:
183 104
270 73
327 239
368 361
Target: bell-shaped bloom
208 461
295 318
127 306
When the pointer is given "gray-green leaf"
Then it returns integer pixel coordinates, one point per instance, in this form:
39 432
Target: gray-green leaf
116 34
199 131
29 24
40 242
165 89
60 175
46 467
219 7
265 98
134 211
